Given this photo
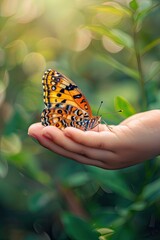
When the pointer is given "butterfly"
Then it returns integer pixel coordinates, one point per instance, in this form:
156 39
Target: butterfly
65 104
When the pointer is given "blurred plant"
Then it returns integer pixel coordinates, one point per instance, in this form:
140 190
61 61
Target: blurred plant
115 40
44 196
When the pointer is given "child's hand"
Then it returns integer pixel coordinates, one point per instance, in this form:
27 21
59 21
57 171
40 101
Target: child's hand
134 140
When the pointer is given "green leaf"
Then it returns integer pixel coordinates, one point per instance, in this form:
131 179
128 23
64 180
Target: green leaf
115 35
119 66
118 10
122 104
105 232
151 45
112 180
151 192
133 5
126 39
77 179
40 200
154 71
145 7
138 206
77 228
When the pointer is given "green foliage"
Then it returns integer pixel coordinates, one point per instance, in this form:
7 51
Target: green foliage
125 108
151 192
116 35
111 50
77 228
134 5
109 179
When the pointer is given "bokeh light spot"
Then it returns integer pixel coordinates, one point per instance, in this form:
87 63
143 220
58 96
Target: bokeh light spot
110 45
33 62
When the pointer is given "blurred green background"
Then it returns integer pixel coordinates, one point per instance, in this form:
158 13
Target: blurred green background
111 50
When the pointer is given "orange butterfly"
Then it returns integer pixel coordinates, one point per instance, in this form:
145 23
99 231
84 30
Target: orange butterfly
65 104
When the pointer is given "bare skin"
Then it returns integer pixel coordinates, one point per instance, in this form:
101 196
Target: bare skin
134 140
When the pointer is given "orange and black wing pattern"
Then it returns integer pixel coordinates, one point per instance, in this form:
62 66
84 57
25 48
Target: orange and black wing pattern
65 104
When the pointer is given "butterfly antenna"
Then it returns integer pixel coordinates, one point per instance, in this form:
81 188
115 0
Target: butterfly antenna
109 127
99 107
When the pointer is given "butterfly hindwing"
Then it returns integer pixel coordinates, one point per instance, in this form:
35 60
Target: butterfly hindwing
63 116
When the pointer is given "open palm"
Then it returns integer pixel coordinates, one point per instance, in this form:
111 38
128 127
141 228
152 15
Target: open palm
134 140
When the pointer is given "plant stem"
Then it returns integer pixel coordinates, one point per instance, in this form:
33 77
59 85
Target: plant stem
140 71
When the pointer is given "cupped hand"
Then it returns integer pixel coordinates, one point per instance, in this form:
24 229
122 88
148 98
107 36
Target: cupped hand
134 140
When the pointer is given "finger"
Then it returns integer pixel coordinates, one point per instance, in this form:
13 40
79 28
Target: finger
100 140
133 117
34 129
65 153
100 128
58 137
83 156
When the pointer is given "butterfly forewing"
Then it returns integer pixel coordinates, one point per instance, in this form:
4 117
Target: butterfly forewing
57 86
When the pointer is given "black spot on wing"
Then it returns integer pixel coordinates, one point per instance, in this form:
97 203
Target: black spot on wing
71 87
49 105
62 90
83 100
59 111
58 105
78 112
77 96
68 107
56 80
64 101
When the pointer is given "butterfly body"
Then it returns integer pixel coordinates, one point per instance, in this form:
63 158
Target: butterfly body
65 104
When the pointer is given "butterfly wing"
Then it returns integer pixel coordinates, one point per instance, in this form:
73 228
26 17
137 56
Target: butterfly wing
65 104
63 115
60 89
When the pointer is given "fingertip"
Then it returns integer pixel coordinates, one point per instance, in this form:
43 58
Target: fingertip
70 131
47 132
35 127
50 129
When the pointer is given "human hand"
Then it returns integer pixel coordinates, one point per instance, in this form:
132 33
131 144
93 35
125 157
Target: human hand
134 140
